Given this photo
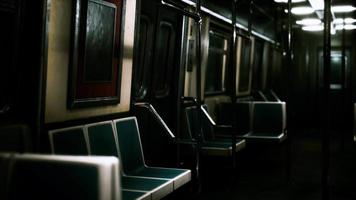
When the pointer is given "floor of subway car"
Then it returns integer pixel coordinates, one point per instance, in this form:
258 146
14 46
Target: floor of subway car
262 172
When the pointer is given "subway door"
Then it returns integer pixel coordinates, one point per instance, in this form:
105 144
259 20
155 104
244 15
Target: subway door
157 79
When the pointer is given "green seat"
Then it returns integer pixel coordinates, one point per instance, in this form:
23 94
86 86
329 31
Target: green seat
132 155
268 122
135 195
69 141
100 140
103 141
40 177
211 145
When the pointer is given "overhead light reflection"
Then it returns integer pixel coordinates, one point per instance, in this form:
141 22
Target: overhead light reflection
304 10
309 21
313 28
286 1
342 9
346 20
346 27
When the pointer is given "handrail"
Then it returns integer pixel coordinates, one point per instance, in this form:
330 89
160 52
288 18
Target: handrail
181 11
195 101
206 114
275 96
262 95
157 117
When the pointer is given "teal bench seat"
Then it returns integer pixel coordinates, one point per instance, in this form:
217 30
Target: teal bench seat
132 156
211 145
129 194
99 139
268 122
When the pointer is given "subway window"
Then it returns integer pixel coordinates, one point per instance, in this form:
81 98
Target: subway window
217 62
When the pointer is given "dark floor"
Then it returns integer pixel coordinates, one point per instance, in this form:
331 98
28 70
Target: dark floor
262 172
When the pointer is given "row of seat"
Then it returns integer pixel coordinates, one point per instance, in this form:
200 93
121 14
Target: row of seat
256 120
120 138
43 177
252 121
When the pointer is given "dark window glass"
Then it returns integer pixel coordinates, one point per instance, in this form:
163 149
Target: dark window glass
99 42
217 63
245 65
336 72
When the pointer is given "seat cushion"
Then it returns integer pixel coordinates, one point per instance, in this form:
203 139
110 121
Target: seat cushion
135 195
179 176
158 188
221 148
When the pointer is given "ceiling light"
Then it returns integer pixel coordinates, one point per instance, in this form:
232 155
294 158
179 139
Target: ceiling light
302 10
346 20
309 21
349 27
342 9
349 20
286 1
313 28
317 4
346 27
338 21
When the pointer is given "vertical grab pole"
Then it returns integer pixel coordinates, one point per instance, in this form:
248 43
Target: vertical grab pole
250 18
343 84
289 92
198 81
326 88
233 97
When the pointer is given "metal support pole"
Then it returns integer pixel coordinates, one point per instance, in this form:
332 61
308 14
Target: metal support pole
289 92
233 96
250 18
343 85
326 89
198 81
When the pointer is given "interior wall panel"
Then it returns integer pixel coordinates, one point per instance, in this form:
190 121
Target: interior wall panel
58 59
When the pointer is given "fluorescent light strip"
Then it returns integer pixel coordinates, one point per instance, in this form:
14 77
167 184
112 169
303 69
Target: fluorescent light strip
342 9
286 1
302 10
313 28
346 20
309 21
225 19
346 27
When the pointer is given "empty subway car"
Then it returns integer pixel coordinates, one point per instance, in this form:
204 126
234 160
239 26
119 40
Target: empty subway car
177 99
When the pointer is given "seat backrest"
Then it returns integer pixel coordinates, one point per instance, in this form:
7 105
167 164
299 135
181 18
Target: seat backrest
269 117
129 142
225 113
15 138
69 141
39 177
102 139
4 173
191 116
192 119
243 115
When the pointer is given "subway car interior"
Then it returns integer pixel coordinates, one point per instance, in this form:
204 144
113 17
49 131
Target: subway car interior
178 99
